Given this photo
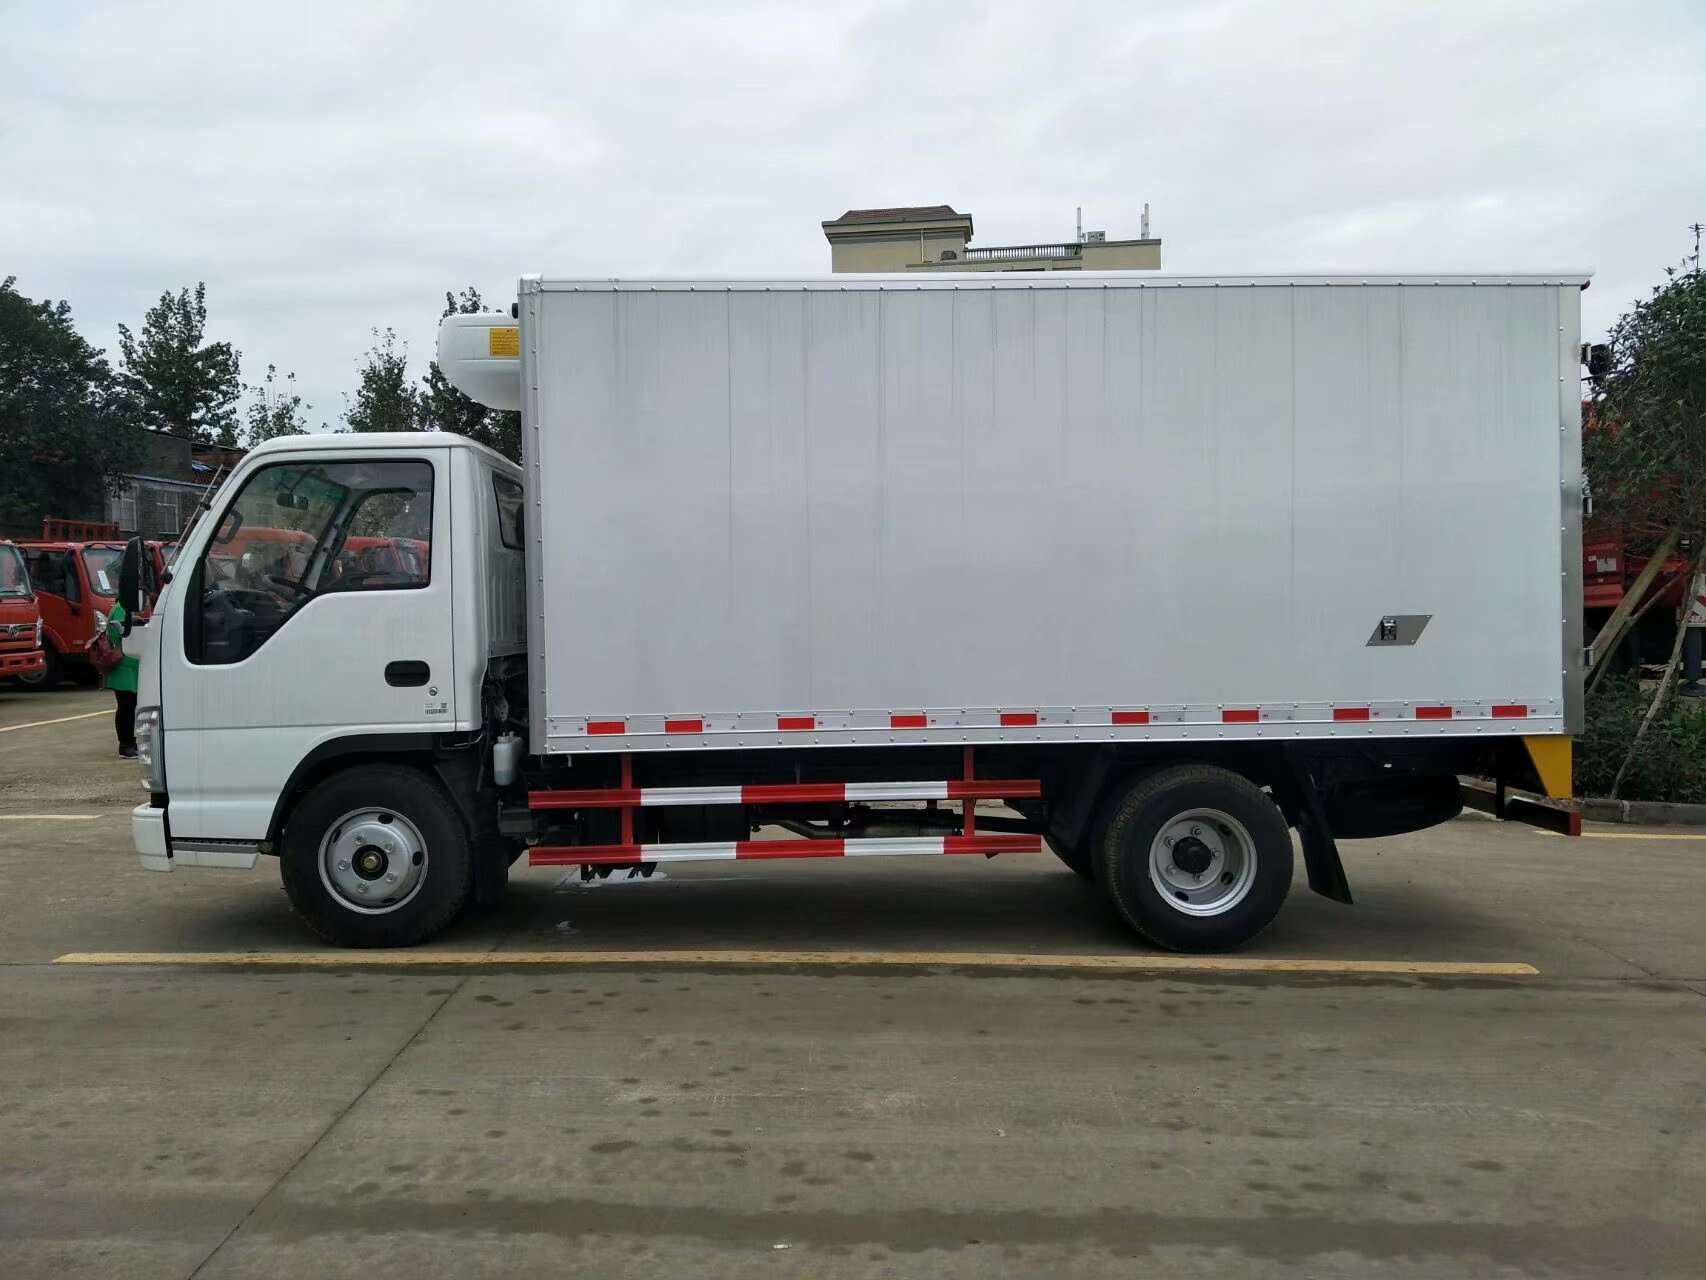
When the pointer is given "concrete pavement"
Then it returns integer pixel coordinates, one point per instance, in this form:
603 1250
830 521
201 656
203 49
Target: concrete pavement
238 1120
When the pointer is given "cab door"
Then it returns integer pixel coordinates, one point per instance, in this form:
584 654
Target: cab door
53 571
278 646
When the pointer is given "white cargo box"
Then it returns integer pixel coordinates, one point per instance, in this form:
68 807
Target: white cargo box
980 508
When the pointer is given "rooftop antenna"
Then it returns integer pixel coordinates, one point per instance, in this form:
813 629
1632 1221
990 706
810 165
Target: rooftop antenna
1081 225
1143 227
1696 228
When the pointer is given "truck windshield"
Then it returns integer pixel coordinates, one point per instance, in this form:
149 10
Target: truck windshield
101 564
14 577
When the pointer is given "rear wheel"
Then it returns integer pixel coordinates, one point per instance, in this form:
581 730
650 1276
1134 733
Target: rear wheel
1195 858
376 856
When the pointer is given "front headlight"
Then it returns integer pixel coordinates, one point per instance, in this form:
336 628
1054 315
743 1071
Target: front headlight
150 748
38 633
100 622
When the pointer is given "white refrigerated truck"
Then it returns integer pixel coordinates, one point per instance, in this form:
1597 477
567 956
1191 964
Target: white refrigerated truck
793 568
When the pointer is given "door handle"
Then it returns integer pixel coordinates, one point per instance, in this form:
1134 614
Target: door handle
407 674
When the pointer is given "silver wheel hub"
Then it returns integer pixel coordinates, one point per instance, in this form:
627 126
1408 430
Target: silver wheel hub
1203 862
373 861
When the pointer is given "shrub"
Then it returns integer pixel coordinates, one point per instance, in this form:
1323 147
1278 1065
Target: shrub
1671 765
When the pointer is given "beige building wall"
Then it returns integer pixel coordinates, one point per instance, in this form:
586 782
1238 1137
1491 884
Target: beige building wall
1123 255
892 253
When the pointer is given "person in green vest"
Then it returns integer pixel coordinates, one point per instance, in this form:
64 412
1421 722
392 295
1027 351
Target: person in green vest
122 681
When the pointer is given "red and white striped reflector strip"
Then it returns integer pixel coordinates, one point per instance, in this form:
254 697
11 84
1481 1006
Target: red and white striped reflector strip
787 793
1058 718
760 850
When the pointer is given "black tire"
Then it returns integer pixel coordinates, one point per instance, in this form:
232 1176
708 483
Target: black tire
1137 818
49 676
446 868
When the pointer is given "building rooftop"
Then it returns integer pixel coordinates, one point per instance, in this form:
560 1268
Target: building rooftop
912 213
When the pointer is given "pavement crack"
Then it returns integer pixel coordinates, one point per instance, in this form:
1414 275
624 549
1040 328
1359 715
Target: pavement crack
332 1124
1605 950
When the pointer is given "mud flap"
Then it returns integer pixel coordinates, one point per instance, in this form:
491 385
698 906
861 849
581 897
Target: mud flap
1320 850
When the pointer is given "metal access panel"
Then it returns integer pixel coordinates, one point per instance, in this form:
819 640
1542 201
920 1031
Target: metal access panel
1051 507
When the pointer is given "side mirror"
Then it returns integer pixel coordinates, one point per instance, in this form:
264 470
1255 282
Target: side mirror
130 580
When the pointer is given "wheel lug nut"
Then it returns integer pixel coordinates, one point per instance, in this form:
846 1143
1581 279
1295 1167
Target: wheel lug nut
343 866
391 879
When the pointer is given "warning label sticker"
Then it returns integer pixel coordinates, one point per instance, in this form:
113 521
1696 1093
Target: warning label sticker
503 343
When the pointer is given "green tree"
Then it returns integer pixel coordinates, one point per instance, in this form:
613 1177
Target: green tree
173 378
276 410
62 444
1646 458
385 400
444 408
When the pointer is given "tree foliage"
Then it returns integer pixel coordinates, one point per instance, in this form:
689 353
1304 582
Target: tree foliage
1646 453
385 399
276 410
62 444
444 408
173 379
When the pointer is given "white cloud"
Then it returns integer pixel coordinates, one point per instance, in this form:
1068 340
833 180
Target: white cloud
329 168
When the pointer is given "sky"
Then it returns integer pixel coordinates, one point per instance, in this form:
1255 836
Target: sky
330 169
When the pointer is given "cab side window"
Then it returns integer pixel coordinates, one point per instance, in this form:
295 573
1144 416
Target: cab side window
297 531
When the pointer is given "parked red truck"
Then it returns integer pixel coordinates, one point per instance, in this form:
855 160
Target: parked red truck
1609 570
20 618
75 584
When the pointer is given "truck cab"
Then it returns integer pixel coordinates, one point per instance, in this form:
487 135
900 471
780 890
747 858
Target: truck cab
76 584
331 627
20 619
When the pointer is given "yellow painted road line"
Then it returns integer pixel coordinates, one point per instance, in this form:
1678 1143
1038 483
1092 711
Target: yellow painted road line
1631 835
51 817
1641 835
36 724
797 959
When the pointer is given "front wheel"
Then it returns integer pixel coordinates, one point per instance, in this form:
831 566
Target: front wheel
376 856
1195 858
52 672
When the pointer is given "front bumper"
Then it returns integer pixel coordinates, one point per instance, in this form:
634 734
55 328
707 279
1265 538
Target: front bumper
159 852
28 663
148 834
